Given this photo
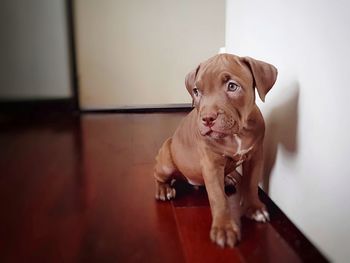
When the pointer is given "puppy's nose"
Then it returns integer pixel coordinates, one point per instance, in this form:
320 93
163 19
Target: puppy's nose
209 119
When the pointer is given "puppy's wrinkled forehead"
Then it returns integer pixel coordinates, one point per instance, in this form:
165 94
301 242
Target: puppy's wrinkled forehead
222 67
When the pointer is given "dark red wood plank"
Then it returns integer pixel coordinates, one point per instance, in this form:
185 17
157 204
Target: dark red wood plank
260 242
126 224
188 195
194 224
39 195
81 190
74 191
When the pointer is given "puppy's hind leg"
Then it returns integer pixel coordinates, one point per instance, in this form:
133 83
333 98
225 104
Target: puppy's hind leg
163 172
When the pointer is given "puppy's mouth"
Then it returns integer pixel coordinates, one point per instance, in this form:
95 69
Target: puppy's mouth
214 133
221 127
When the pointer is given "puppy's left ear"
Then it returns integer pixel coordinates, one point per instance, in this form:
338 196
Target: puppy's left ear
264 75
189 82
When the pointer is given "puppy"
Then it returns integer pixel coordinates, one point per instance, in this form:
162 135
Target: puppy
223 131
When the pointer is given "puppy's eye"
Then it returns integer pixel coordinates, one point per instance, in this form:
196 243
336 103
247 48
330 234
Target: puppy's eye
196 92
232 86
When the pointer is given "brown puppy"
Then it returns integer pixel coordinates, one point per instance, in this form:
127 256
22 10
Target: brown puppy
225 130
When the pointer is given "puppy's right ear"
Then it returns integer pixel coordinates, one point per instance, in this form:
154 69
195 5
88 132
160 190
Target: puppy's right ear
264 75
189 82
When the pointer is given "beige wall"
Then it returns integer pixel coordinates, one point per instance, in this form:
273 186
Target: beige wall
137 53
34 57
307 112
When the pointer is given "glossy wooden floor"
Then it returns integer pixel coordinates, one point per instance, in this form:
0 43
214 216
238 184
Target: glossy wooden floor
81 190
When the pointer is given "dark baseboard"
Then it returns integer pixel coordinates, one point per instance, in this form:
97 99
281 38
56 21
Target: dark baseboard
141 110
37 107
64 106
19 115
45 106
295 238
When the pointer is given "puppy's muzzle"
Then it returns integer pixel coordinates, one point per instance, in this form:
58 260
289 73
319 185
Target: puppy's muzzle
209 119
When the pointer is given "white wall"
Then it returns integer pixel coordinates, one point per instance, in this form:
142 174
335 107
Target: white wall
137 52
34 61
307 112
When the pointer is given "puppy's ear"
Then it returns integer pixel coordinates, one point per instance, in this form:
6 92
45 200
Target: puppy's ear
264 74
189 82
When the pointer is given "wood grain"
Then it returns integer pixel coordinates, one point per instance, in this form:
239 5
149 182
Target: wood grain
80 189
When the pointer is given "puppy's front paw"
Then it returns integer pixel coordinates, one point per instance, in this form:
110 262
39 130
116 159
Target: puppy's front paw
226 233
258 213
164 191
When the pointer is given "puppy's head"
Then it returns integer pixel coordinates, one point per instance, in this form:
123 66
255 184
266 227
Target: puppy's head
222 89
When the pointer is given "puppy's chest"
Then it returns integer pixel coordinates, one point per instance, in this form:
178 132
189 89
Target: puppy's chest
241 150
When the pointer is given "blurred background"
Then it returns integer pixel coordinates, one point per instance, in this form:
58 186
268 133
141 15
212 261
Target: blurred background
128 53
122 54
